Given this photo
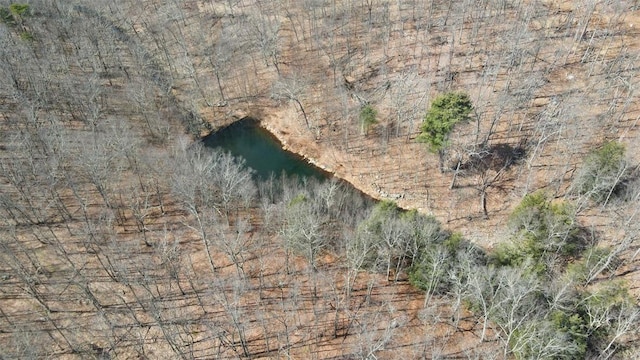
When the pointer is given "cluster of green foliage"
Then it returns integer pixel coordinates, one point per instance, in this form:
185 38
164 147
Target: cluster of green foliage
19 9
14 13
512 288
368 117
603 172
581 328
573 325
369 240
446 111
27 36
313 215
298 199
538 288
13 16
390 238
6 17
560 335
542 229
546 244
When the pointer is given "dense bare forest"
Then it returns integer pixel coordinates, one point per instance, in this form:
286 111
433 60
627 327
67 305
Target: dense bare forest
512 235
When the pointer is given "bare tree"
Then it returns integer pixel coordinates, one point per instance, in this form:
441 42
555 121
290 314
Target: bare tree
237 241
264 31
292 88
302 228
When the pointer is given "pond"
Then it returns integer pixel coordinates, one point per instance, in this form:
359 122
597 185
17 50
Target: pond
262 151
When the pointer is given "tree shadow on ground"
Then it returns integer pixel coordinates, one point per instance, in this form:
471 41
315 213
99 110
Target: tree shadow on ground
496 157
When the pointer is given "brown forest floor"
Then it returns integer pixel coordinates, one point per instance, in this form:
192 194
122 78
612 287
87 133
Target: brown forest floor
581 94
570 88
556 77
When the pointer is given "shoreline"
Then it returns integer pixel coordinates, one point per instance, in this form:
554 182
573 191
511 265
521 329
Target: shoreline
377 195
380 176
285 146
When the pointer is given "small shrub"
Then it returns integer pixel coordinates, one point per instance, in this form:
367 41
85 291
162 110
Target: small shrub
298 199
605 308
574 326
368 117
27 36
609 296
367 245
382 212
12 15
6 17
425 230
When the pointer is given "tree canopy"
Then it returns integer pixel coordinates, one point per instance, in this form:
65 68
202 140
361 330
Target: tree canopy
446 111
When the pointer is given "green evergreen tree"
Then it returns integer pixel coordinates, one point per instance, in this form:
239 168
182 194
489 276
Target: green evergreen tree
368 117
446 111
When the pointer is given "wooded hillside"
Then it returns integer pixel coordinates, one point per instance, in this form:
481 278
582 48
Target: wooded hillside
122 237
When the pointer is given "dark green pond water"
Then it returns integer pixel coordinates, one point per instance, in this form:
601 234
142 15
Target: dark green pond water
262 151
